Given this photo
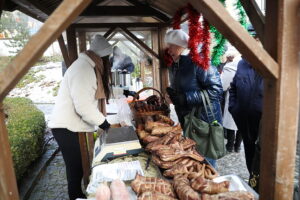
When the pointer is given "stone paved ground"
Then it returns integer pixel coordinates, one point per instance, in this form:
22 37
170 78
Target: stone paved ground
53 183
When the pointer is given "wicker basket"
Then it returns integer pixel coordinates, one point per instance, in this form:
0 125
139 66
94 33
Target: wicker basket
140 112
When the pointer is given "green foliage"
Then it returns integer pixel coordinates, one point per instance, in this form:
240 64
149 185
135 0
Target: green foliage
55 90
30 77
46 59
242 14
26 125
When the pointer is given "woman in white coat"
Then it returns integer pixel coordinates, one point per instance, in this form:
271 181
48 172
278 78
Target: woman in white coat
234 138
80 107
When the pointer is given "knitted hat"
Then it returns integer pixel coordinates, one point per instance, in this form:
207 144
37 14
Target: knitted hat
101 46
177 37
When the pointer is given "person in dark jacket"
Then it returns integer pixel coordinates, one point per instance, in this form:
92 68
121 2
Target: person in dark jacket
245 106
121 61
188 80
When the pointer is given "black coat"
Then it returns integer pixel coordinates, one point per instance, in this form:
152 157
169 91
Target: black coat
189 79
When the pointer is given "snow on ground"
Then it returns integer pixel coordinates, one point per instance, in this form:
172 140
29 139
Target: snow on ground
43 90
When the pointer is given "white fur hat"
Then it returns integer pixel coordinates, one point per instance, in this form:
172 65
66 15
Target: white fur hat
101 46
177 37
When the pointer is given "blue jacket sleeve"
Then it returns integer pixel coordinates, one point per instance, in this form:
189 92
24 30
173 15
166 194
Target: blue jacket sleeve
208 80
232 94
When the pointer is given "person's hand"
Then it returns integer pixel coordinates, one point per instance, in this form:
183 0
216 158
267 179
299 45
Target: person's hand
176 98
127 93
105 125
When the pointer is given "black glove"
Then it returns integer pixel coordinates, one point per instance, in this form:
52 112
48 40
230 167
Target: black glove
176 97
105 125
130 93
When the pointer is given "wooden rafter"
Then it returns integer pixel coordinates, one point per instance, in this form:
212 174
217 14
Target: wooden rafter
156 14
141 43
219 17
111 36
64 50
32 7
256 17
112 29
116 11
34 49
109 25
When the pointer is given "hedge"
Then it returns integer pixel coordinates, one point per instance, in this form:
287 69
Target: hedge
26 127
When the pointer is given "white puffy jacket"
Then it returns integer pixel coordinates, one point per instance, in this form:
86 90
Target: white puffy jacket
76 108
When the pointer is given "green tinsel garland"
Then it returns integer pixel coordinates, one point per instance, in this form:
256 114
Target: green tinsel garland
242 14
218 50
220 41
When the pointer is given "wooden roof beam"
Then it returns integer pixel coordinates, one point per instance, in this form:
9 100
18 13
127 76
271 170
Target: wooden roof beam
108 25
157 14
219 17
116 11
32 7
256 17
112 29
139 42
34 49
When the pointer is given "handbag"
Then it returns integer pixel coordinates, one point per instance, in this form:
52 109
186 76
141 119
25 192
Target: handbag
209 137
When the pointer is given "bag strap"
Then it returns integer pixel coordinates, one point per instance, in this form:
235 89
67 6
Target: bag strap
205 96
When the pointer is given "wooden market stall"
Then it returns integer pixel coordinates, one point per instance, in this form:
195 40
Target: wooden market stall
277 61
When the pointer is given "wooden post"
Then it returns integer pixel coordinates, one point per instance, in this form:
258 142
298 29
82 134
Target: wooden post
280 132
155 66
34 49
72 43
84 158
91 144
8 186
164 72
64 50
82 41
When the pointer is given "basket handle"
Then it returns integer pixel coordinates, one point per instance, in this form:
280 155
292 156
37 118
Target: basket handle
144 89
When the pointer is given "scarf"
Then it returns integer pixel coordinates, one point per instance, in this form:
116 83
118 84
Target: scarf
99 95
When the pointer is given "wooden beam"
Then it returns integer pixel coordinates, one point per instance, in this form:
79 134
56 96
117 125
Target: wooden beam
34 49
72 43
64 50
82 41
8 186
111 36
283 134
32 8
97 11
156 14
109 25
256 17
84 158
164 72
219 17
141 43
270 107
155 63
110 31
